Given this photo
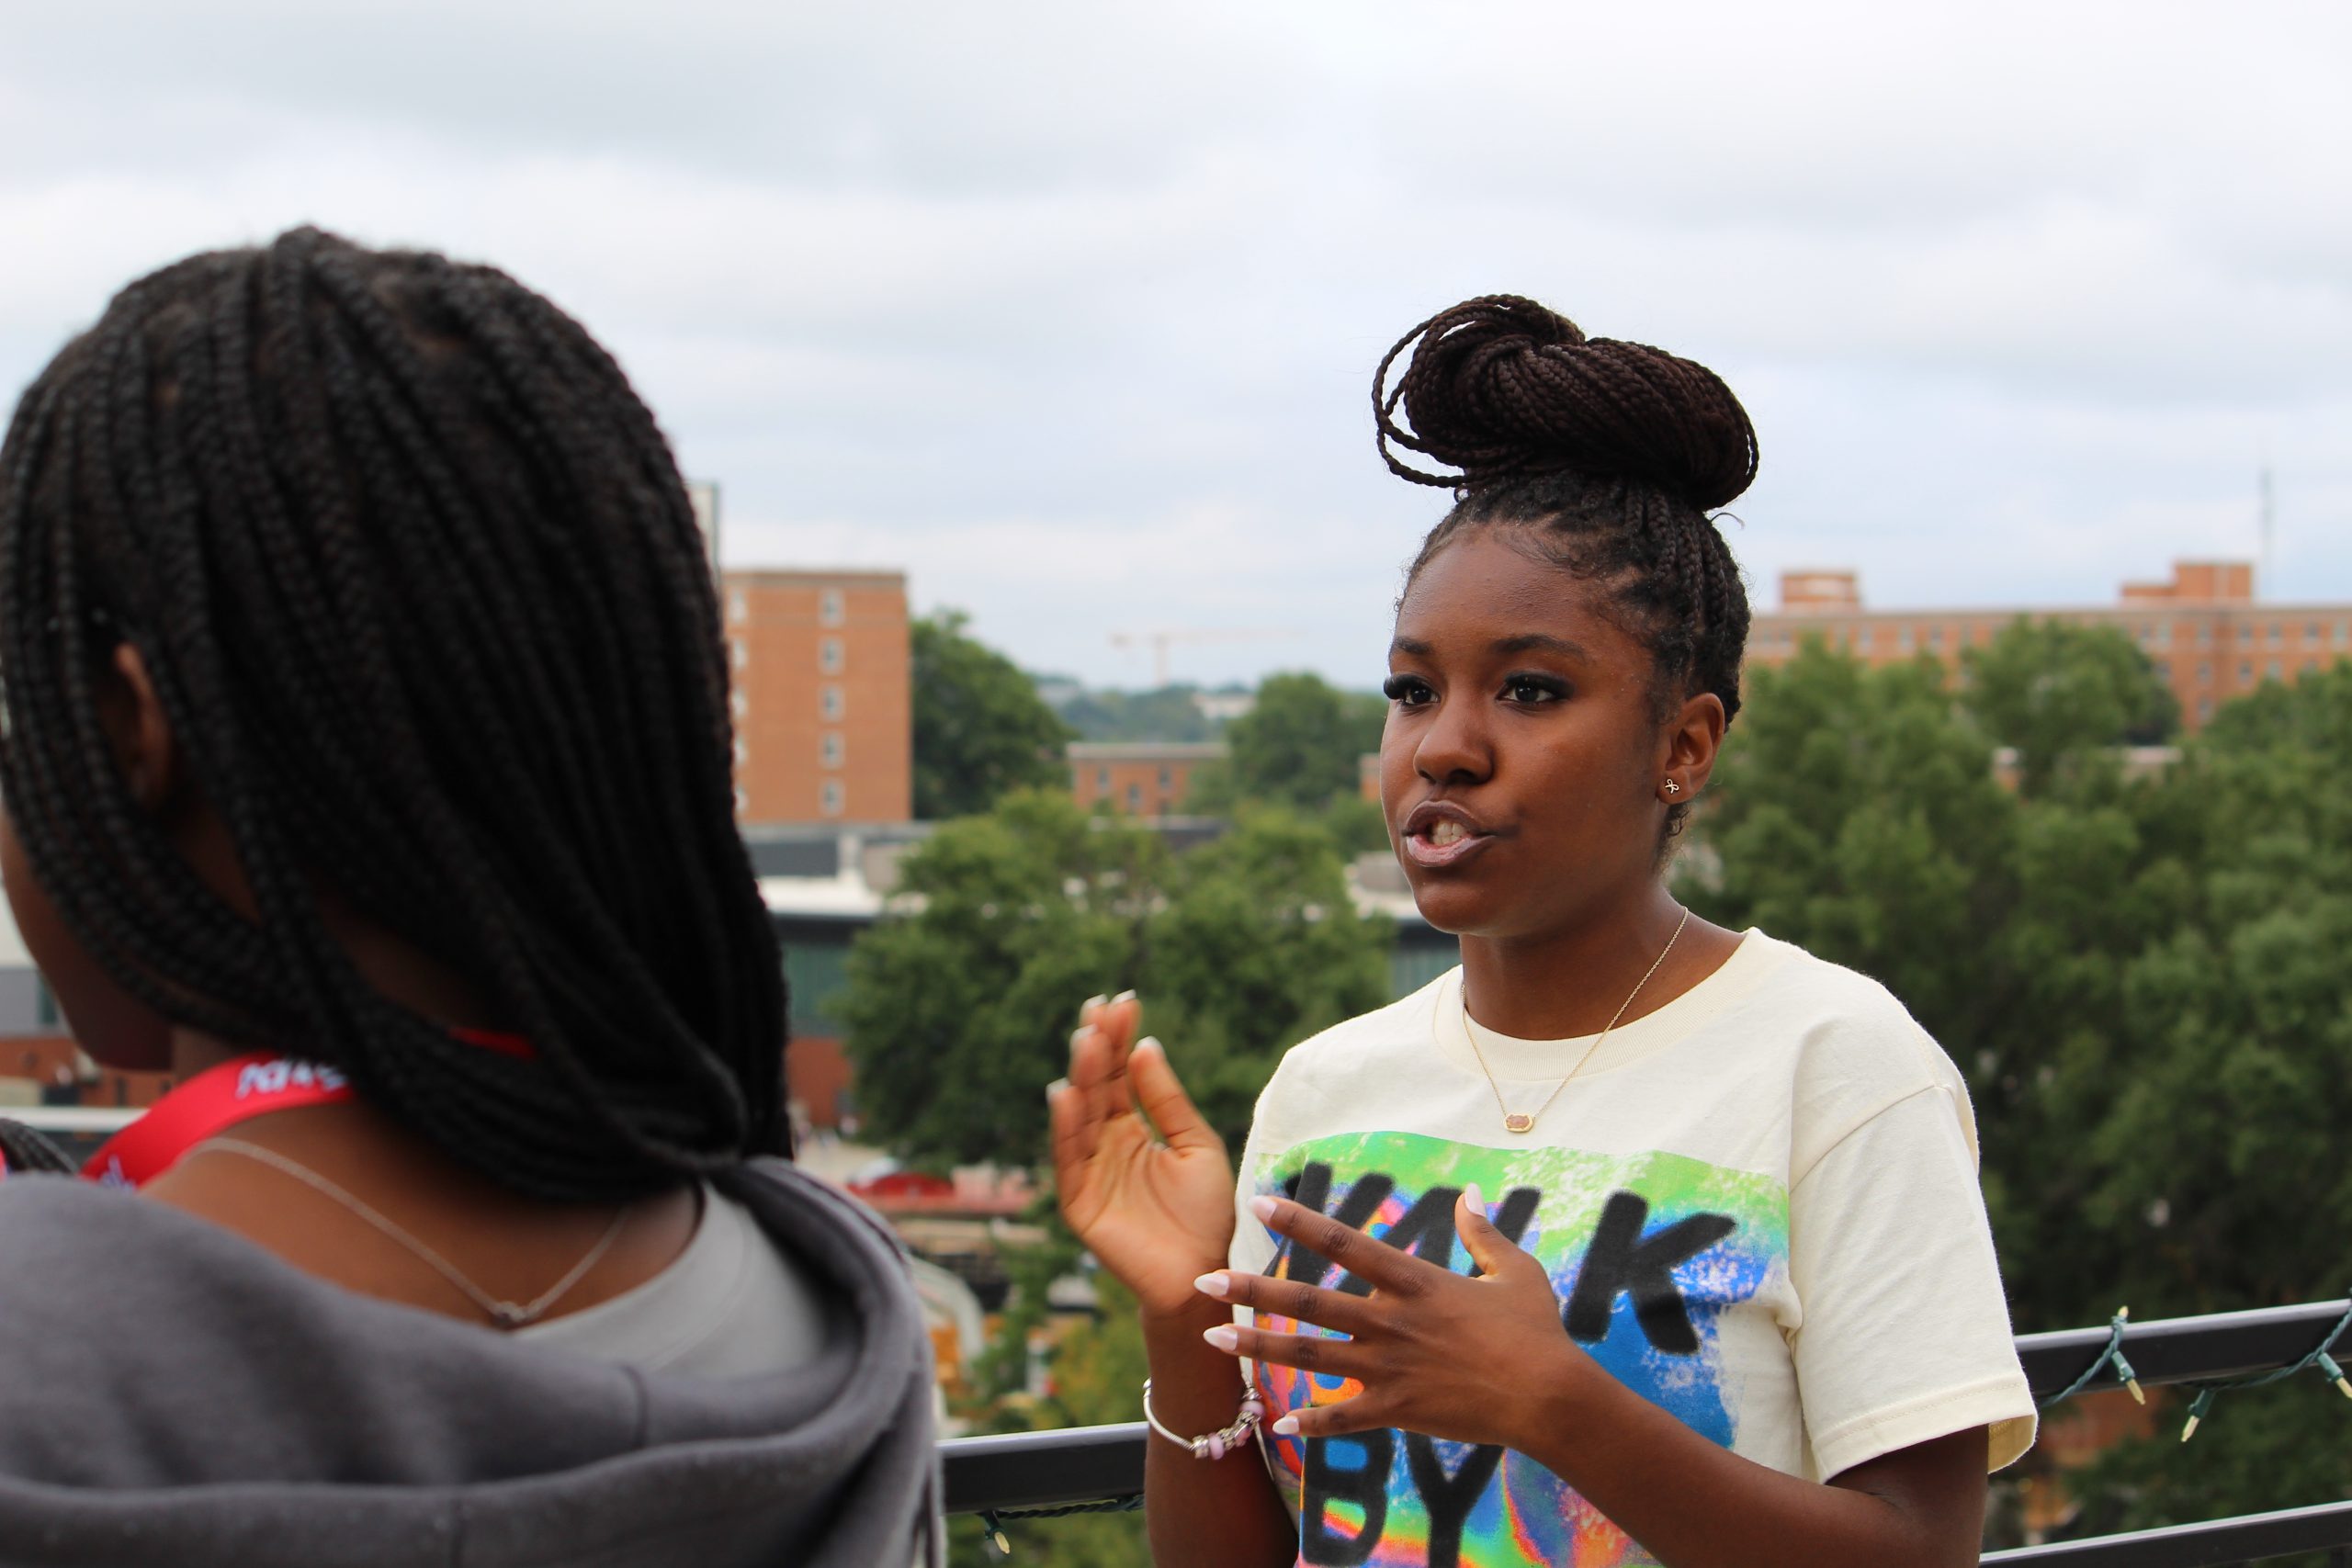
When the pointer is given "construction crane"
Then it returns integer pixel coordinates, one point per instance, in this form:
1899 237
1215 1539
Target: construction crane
1158 641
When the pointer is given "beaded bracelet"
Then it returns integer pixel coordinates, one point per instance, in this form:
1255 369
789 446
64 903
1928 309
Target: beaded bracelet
1217 1445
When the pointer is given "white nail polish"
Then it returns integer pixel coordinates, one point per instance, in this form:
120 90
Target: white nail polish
1286 1427
1224 1337
1123 996
1212 1284
1476 1199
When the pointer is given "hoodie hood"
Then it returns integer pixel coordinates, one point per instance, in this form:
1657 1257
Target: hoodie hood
173 1393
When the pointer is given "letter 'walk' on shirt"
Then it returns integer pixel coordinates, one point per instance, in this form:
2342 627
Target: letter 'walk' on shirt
1758 1206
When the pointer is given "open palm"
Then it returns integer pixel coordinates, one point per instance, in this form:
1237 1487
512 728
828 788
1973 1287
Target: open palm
1155 1209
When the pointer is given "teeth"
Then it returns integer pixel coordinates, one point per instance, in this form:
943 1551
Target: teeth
1448 831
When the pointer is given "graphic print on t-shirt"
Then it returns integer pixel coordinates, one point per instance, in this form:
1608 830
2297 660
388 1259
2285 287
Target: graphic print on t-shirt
1645 1253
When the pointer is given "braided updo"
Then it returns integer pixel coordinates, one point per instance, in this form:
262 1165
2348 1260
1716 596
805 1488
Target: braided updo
1605 457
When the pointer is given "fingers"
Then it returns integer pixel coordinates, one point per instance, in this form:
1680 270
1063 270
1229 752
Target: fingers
1308 1352
1495 1254
1300 1302
1074 1133
1098 1052
1375 1262
1164 1101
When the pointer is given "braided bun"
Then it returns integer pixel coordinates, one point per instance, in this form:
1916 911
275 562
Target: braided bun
1502 389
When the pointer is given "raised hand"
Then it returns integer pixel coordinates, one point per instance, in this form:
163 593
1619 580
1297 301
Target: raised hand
1154 1211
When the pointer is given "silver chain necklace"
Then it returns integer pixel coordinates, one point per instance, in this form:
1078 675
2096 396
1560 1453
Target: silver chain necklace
506 1315
1524 1120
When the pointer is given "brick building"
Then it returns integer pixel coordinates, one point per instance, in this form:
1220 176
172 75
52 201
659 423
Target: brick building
2203 630
1142 778
823 723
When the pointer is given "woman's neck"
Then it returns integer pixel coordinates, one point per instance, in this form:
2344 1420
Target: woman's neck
1563 984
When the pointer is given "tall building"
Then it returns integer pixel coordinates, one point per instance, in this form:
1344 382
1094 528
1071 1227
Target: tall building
2203 630
821 670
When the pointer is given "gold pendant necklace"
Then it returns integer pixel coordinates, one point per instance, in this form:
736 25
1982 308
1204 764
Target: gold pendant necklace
1524 1120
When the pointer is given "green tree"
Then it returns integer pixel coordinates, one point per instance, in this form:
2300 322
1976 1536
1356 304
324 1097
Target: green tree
959 1007
980 729
2056 691
1299 745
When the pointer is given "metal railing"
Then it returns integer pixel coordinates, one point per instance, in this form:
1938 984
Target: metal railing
1043 1470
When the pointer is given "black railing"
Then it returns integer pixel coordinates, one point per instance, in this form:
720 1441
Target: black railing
1045 1469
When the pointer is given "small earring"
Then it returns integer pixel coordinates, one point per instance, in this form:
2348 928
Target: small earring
1673 789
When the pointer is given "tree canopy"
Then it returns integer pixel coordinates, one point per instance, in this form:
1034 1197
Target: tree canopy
1299 745
960 1006
981 728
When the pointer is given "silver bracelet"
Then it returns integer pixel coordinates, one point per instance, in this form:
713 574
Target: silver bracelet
1217 1445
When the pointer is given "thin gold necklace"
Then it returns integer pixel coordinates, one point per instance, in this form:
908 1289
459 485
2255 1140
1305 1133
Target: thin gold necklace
506 1315
1524 1120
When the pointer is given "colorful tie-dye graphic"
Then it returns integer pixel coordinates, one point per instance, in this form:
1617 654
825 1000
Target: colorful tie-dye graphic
1645 1251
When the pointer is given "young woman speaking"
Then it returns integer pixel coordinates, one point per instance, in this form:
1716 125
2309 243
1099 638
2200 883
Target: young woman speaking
1632 1240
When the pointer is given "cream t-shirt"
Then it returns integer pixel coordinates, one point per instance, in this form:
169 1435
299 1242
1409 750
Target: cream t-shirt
1758 1206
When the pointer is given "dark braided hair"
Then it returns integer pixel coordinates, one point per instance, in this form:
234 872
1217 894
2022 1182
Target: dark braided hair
25 1152
425 604
1605 456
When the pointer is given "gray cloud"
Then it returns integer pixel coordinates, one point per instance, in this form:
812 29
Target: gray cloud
1071 309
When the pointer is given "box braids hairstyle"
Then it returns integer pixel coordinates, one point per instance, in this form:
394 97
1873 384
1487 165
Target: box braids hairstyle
1605 456
425 606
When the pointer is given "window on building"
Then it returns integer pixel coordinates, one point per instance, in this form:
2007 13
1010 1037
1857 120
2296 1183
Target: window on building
1102 781
737 654
829 797
830 701
2311 634
2164 669
1905 640
1935 636
2204 674
828 607
2204 709
45 1003
2245 636
2278 634
739 609
1134 798
829 654
2163 634
2205 634
828 748
2344 634
2246 674
2270 671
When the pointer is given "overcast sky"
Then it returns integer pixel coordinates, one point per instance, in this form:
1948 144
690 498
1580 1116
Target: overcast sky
1071 311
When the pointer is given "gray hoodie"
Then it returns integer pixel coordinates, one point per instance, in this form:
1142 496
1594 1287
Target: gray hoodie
172 1395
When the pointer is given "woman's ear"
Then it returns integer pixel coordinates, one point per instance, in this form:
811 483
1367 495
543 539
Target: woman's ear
144 748
1693 737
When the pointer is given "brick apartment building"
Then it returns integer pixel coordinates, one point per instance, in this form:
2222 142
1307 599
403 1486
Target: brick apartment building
1142 778
823 721
2203 630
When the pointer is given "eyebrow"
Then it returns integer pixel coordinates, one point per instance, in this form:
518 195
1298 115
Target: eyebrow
1525 642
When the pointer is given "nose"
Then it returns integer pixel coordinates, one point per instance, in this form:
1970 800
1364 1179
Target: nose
1454 746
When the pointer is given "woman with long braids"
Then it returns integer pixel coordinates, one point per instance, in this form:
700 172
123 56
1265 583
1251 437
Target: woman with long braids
366 764
1633 1239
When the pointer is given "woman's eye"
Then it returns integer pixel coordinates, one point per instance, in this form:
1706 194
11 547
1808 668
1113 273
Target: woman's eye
1407 691
1531 689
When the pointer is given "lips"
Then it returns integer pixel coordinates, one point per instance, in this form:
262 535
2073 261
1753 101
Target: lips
1438 834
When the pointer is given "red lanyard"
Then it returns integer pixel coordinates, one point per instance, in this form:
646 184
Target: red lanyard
206 1106
221 1097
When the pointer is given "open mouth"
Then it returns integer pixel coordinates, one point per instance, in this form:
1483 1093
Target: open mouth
1442 841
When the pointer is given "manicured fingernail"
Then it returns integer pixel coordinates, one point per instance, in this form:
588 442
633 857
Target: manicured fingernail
1055 1088
1475 1200
1285 1426
1123 996
1263 1207
1152 1043
1225 1337
1212 1284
